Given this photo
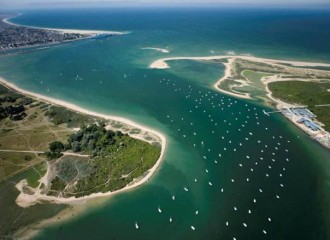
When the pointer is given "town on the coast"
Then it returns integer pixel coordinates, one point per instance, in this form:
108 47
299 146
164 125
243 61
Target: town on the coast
14 36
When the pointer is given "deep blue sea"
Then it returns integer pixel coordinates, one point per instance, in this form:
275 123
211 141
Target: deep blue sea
248 176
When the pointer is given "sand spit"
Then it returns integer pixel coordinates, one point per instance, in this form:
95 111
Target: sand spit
162 64
25 200
77 31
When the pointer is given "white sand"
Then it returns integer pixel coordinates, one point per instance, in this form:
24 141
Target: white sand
77 31
162 64
159 64
163 50
25 200
228 69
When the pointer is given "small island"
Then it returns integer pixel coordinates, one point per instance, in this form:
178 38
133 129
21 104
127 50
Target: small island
76 155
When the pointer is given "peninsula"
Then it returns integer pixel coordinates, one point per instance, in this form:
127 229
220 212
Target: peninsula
77 154
14 36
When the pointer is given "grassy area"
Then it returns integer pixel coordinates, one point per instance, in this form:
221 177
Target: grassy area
116 160
305 93
25 125
253 76
33 176
246 75
60 115
11 162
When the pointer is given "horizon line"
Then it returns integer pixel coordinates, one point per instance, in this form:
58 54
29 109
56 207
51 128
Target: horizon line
52 5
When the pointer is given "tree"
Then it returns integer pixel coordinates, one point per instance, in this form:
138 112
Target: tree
75 146
56 146
119 133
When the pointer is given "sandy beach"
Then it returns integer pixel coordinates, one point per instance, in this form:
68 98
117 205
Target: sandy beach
162 64
25 200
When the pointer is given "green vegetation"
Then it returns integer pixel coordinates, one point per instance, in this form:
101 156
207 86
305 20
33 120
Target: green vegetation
245 76
24 127
56 146
122 161
59 115
254 77
55 149
33 176
71 168
92 139
57 185
116 160
305 93
105 160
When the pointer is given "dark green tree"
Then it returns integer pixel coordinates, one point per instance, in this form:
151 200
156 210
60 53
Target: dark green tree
56 146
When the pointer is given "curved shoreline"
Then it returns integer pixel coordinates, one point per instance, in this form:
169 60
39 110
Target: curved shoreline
25 200
162 64
279 104
64 30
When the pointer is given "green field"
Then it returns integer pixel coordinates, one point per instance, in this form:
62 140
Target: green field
33 176
24 126
305 93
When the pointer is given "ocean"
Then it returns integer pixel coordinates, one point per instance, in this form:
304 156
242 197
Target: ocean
248 176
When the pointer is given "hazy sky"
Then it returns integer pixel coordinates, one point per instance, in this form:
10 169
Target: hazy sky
70 3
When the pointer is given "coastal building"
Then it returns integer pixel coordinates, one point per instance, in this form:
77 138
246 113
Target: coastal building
303 112
308 123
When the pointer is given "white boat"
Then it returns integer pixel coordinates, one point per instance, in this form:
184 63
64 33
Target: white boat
186 189
173 197
136 225
192 227
159 210
171 219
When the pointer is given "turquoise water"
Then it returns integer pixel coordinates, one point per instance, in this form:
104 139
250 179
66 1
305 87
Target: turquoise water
248 176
